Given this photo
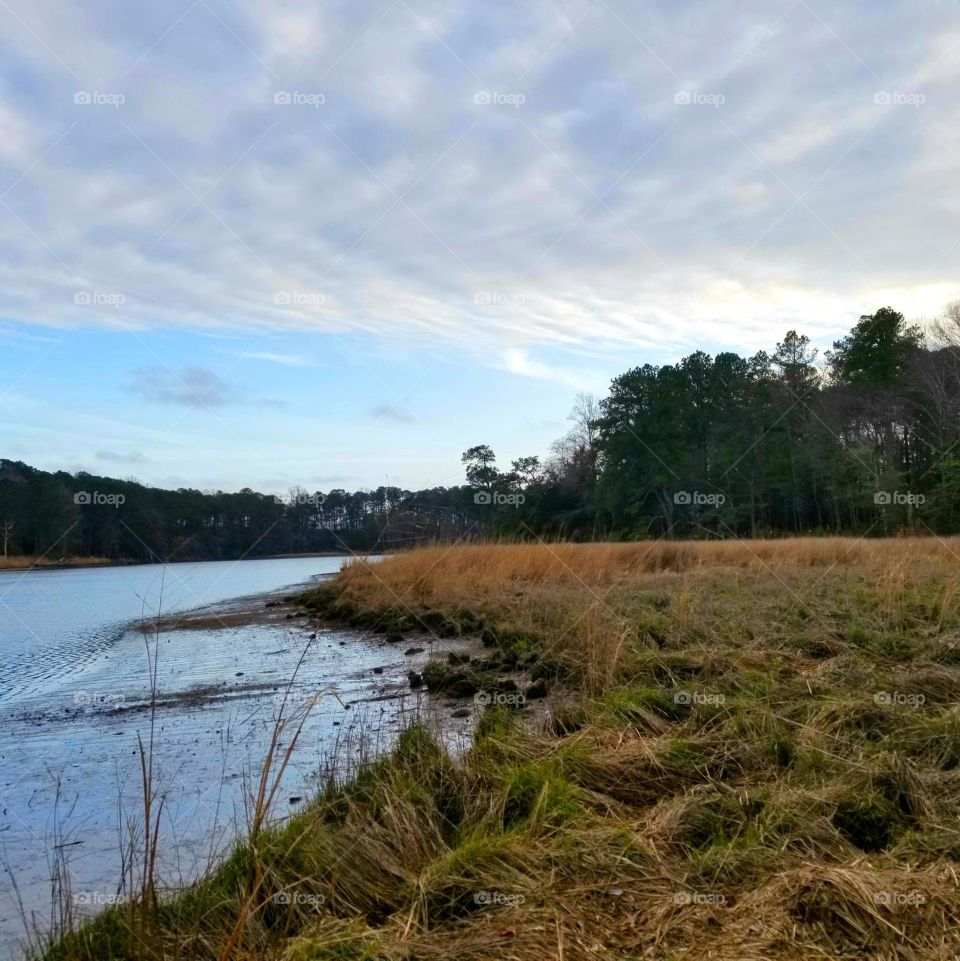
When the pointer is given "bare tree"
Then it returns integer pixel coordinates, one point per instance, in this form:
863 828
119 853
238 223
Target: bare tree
6 529
574 455
584 414
946 328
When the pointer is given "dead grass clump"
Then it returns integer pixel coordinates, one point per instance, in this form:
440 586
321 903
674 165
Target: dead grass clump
843 912
929 684
932 738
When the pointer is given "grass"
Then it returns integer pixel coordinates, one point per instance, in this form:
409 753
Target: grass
752 752
18 562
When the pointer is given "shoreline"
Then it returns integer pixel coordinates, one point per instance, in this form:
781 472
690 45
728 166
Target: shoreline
271 608
358 678
33 564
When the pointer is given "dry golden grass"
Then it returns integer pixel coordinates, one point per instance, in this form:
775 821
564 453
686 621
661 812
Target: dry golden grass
496 567
594 606
23 562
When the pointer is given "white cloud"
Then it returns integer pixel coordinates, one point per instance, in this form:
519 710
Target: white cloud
16 139
298 33
285 360
753 193
604 213
518 362
798 140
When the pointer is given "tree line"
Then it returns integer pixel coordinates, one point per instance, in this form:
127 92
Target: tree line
863 440
61 515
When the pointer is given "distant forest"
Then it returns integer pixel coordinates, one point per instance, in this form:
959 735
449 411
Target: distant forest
861 441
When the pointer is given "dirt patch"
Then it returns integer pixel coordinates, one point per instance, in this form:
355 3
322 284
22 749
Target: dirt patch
270 609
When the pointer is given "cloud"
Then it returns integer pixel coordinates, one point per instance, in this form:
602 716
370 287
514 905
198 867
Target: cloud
394 413
584 211
188 386
15 135
752 194
799 140
285 360
517 362
131 457
12 334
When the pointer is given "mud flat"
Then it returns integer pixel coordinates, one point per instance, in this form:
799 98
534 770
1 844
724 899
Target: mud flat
70 758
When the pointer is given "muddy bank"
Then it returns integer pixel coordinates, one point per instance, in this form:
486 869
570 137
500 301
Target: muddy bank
454 668
225 673
274 609
69 749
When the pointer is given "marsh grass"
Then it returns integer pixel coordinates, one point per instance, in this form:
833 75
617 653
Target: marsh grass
761 761
24 562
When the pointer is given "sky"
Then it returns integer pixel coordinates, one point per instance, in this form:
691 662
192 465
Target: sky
335 244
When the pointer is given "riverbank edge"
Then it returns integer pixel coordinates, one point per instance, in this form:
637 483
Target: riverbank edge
419 749
40 564
27 563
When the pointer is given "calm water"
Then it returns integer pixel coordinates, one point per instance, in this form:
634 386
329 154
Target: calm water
73 673
52 621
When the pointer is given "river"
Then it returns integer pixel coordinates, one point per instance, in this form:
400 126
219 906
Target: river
74 691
